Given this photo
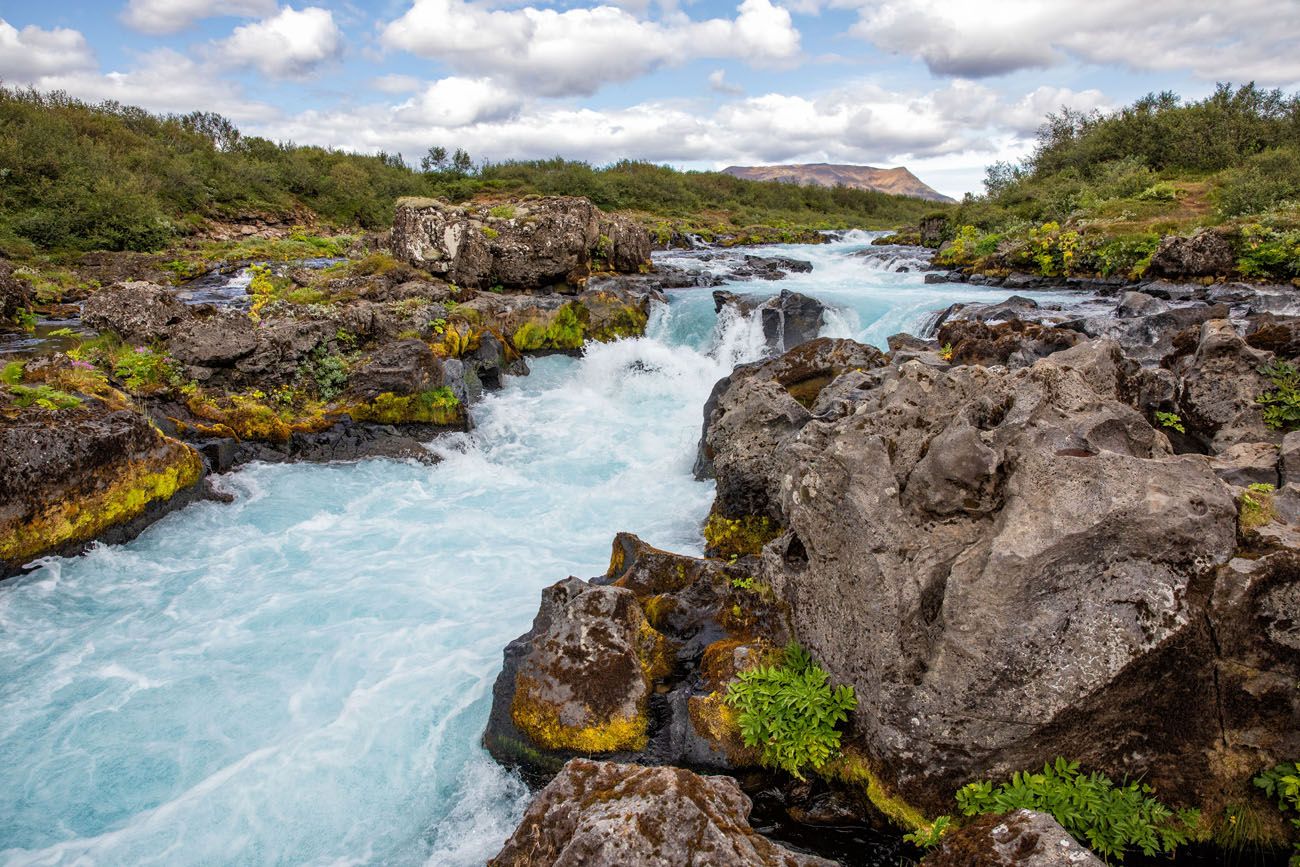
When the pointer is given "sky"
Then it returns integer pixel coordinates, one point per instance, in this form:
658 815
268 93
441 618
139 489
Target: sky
942 86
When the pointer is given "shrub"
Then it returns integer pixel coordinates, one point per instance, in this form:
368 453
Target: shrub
503 212
1283 783
1171 420
1266 253
1053 249
790 711
328 372
1161 192
1282 402
1110 819
143 369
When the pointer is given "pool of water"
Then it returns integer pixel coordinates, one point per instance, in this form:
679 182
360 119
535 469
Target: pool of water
302 676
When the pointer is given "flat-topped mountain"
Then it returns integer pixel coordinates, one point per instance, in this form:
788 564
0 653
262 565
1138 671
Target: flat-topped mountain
898 181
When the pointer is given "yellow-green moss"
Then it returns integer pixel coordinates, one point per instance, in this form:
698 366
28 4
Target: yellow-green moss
737 537
127 489
627 321
1256 507
855 769
540 722
436 406
567 330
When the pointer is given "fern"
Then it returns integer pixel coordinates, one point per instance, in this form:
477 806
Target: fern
790 711
1283 783
1111 819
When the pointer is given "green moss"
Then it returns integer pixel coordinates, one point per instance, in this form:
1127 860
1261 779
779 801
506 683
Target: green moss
738 537
122 493
566 330
490 233
503 212
436 406
628 321
855 768
1256 507
540 722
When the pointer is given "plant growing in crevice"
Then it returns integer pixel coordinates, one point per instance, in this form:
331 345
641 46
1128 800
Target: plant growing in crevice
1171 420
1283 783
790 711
1256 506
1110 819
929 836
1282 402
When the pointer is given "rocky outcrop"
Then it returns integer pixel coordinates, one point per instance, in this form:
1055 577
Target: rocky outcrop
136 311
547 243
94 470
1014 343
1218 383
14 294
1205 254
788 319
1023 838
633 665
1002 563
605 814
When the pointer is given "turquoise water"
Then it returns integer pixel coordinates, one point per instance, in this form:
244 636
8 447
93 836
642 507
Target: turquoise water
302 676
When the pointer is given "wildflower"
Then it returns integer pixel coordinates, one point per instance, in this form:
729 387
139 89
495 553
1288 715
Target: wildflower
83 365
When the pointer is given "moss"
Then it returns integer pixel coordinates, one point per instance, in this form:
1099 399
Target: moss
566 331
123 493
436 406
540 722
1256 507
628 321
738 537
855 769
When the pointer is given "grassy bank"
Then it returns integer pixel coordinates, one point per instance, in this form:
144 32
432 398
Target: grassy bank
80 177
1101 190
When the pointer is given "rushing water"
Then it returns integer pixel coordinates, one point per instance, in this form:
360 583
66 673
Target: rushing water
302 676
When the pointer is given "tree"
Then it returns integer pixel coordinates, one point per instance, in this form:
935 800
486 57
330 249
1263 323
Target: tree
435 160
460 162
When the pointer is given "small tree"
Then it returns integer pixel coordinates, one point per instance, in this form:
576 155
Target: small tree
435 160
461 164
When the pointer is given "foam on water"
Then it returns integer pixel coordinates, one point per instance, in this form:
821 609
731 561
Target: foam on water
302 676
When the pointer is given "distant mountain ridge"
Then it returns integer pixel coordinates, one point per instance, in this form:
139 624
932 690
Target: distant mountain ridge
898 181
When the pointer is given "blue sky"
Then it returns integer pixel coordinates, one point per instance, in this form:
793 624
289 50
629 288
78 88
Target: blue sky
941 86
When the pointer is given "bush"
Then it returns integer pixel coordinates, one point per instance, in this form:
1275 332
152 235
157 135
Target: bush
1110 819
790 712
1265 253
1267 179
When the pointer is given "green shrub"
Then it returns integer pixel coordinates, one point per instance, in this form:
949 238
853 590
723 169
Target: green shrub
43 396
790 711
1127 254
1110 819
143 369
1161 192
1171 420
1282 402
1054 250
328 372
1283 783
1266 253
502 212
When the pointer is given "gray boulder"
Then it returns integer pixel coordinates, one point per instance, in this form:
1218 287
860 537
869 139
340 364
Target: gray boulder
1204 254
1219 382
1023 838
140 312
605 814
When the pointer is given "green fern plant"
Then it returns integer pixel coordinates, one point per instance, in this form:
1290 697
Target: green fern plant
790 711
1282 402
1283 783
1110 819
1171 420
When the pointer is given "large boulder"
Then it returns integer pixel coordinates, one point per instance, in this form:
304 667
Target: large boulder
402 367
788 319
1219 381
1205 254
217 340
139 312
1005 564
547 243
1014 342
606 814
14 293
93 471
1023 838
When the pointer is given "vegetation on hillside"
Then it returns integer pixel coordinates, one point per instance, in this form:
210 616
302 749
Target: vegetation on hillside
1101 189
78 176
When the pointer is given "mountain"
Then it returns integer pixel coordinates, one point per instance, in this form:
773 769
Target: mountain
898 181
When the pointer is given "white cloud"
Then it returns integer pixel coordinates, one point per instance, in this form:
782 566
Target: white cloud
32 52
289 44
1241 40
394 83
169 16
576 51
456 102
719 84
165 81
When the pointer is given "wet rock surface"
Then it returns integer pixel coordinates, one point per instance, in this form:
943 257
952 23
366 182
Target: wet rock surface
788 319
606 813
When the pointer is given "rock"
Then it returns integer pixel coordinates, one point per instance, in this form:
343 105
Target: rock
580 680
92 472
1149 338
14 293
1205 254
788 320
139 312
1246 464
1289 460
1015 343
752 413
1023 838
403 367
1137 304
1002 564
933 230
768 268
1218 384
219 340
605 814
532 244
1277 334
